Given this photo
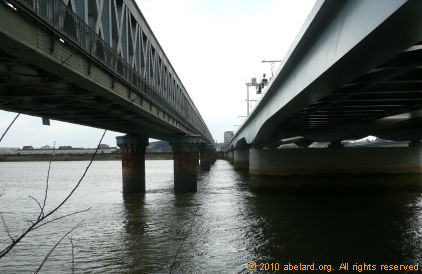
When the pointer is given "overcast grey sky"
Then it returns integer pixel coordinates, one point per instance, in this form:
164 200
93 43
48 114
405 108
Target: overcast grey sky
215 46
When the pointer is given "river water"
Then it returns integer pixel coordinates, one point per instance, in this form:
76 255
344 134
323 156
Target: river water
216 230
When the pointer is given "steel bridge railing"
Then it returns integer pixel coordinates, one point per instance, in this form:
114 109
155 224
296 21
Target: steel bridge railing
69 25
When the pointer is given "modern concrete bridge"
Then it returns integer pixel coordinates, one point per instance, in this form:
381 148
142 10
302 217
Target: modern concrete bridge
98 63
354 70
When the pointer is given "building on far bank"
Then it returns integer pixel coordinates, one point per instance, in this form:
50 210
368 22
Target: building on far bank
63 150
159 146
8 150
27 147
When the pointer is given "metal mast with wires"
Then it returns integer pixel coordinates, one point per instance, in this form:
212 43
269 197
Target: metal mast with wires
272 62
252 83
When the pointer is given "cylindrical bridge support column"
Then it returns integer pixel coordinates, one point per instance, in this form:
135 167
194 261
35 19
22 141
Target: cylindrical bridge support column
133 162
206 157
230 156
214 157
241 159
185 154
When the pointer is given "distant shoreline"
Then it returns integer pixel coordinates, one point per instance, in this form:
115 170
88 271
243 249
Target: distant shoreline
78 157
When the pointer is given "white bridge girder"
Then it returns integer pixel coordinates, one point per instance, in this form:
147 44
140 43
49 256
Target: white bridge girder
345 49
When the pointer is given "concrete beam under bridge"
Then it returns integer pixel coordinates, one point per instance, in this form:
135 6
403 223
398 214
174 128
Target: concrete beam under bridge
300 168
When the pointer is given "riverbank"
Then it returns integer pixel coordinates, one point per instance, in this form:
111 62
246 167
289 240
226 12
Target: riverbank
79 157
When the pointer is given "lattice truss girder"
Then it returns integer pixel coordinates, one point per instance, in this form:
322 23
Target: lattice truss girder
122 26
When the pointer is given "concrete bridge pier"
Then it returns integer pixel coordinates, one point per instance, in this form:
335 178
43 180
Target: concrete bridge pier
304 168
185 153
230 156
133 162
213 156
206 157
415 143
241 159
197 159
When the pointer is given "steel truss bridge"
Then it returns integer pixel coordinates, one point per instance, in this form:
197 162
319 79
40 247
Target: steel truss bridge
95 63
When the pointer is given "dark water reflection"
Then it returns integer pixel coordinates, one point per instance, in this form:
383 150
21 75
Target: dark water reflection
335 228
216 230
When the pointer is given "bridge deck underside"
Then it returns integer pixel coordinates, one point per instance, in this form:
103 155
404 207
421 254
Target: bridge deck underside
31 90
383 102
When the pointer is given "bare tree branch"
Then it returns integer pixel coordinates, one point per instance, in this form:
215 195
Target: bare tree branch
46 181
6 228
38 203
183 240
80 180
10 125
38 221
73 245
41 217
54 247
42 207
61 217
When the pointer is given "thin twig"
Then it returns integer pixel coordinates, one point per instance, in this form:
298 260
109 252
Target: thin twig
29 229
10 125
80 180
40 206
183 241
73 245
54 247
61 217
6 228
46 182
